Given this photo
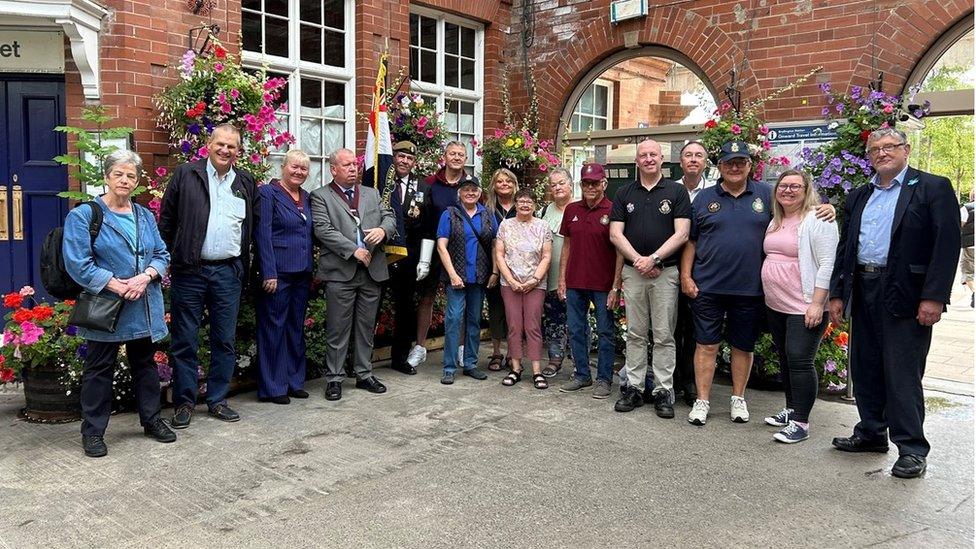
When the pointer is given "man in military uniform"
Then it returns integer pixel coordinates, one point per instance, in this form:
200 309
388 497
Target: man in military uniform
409 200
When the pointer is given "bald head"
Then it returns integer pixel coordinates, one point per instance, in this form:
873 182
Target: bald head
649 159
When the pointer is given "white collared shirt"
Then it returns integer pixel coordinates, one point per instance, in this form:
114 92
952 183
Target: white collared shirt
226 220
702 183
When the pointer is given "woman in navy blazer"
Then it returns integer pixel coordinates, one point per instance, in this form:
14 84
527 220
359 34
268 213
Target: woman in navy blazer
283 237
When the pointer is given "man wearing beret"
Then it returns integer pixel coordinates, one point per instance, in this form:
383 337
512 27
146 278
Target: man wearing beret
409 200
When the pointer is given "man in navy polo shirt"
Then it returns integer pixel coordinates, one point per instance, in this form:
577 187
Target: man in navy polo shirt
649 225
589 273
720 270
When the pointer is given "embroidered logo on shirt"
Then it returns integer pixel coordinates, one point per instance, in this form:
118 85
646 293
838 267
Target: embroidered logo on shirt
757 205
665 206
630 207
605 220
575 218
714 207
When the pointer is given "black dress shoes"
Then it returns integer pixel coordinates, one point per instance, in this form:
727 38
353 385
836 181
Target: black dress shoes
158 430
909 466
371 384
283 399
224 412
855 443
94 446
298 393
404 368
333 390
662 404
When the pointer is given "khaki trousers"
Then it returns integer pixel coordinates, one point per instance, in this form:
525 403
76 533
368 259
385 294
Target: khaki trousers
651 305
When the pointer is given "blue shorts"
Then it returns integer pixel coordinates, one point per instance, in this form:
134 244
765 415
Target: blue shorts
742 316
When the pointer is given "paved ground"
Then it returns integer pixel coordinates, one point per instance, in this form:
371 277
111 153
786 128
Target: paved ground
951 356
479 465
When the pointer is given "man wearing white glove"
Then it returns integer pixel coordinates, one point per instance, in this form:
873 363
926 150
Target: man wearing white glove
408 201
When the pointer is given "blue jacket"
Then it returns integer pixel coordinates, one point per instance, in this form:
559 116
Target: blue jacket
283 238
92 266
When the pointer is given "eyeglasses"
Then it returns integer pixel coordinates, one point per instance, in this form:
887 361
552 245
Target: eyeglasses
887 149
525 202
587 183
793 188
737 163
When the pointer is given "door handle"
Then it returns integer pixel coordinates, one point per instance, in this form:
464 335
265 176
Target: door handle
18 206
4 222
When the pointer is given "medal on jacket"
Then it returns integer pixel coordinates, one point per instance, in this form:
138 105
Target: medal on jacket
414 211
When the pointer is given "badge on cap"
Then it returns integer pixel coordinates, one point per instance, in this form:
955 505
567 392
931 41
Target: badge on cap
630 207
714 207
665 206
734 147
757 205
605 220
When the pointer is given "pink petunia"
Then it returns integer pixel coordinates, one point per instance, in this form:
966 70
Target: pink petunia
736 129
218 67
26 291
422 122
234 94
30 332
202 152
429 134
161 171
225 108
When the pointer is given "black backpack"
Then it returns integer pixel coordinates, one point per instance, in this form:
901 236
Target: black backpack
54 277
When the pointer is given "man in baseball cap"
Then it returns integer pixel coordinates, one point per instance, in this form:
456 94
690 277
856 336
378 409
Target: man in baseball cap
589 273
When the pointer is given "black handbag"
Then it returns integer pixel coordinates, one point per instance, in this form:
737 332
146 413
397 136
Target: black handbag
96 312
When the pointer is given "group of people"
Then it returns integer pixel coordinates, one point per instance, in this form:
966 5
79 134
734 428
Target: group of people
694 263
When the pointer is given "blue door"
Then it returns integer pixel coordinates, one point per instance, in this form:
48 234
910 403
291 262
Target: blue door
30 179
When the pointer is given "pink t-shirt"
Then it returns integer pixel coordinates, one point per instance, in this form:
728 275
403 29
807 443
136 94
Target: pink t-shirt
781 269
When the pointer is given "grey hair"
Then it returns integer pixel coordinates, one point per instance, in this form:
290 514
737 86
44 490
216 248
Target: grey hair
563 172
121 156
296 155
455 143
335 155
887 132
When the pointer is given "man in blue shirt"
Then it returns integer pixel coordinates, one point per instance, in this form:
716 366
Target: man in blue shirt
893 274
720 271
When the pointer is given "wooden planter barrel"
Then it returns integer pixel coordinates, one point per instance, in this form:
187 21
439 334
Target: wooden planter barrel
47 401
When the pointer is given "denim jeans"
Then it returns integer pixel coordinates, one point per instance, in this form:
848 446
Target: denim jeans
463 306
577 307
218 288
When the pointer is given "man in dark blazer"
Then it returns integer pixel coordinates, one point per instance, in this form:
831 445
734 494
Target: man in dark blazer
350 225
206 220
409 201
895 265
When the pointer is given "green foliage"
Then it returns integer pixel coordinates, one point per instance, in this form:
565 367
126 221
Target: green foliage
945 145
87 164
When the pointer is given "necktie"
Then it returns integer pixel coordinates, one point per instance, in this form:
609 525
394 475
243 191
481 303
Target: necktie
349 193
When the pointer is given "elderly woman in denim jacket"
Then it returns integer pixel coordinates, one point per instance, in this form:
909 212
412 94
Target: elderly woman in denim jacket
126 260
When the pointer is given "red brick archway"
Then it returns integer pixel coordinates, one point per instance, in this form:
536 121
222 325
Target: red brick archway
707 47
903 39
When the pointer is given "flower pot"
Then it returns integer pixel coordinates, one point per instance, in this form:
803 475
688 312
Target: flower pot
48 400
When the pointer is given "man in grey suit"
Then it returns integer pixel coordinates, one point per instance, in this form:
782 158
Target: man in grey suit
350 224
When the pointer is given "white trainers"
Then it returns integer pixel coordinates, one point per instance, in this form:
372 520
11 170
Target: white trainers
739 412
417 356
699 413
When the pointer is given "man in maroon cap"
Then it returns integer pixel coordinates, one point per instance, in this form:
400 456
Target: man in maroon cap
589 273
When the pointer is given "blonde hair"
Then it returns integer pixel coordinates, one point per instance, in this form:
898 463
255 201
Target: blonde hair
810 197
491 200
296 155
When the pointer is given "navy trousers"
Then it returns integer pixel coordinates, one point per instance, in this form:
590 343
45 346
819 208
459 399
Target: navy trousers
281 335
887 363
218 288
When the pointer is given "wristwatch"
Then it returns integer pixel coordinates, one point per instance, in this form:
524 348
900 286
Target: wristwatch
657 260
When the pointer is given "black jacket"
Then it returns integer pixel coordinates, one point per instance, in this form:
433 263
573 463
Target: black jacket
185 211
924 245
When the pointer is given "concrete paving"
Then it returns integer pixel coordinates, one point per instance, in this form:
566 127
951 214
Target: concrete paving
477 464
950 361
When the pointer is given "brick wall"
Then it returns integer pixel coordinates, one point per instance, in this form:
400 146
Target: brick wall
771 41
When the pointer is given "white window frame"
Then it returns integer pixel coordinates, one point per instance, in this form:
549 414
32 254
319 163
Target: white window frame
443 92
296 69
609 117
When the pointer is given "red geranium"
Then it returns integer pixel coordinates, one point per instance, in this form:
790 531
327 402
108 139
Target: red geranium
711 123
22 315
12 300
864 135
7 375
42 313
69 302
220 52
